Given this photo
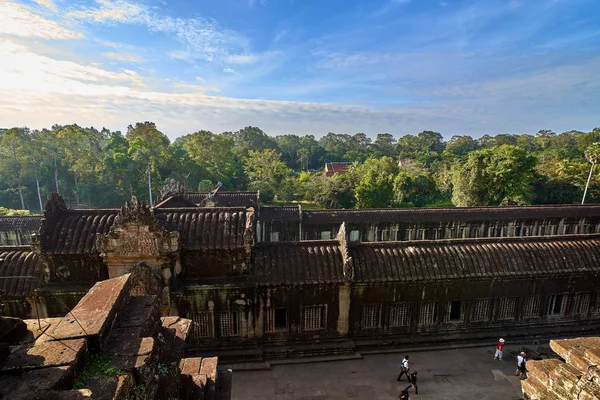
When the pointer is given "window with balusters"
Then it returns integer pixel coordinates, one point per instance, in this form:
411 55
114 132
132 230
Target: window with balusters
428 313
506 308
481 310
400 314
202 324
371 316
228 324
314 318
532 307
580 304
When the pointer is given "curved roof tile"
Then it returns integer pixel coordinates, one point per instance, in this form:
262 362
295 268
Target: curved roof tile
298 262
451 214
20 223
206 228
19 264
475 258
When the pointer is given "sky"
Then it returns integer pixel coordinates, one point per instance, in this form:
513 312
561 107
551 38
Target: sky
458 67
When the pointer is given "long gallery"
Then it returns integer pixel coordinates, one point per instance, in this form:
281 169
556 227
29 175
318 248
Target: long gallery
266 282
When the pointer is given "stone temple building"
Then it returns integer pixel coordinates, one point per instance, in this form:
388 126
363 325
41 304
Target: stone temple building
267 282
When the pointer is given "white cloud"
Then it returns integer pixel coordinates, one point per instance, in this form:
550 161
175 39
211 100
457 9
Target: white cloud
130 58
241 59
230 70
18 20
48 4
109 11
57 91
263 3
202 38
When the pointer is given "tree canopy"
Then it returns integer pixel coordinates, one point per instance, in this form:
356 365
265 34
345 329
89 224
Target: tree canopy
94 167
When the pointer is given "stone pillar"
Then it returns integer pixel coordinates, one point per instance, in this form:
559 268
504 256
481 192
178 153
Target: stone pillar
344 309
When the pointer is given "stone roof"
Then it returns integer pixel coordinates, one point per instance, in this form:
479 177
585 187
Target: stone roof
16 262
451 214
475 258
75 231
287 213
224 198
298 262
21 223
206 228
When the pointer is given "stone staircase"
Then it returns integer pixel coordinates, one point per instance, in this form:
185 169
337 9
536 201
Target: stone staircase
110 346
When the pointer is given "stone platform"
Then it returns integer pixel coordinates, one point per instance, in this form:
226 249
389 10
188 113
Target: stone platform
461 374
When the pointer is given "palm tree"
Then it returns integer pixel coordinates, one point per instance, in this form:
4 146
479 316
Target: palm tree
592 153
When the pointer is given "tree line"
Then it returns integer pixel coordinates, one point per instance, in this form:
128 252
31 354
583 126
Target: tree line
94 168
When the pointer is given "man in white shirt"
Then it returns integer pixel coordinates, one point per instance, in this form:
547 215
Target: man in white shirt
520 362
405 367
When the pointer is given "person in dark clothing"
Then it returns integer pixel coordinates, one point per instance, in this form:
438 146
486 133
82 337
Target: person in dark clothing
404 369
412 378
404 393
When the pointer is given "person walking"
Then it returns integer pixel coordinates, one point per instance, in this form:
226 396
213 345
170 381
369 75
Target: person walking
523 368
413 380
520 365
404 369
499 347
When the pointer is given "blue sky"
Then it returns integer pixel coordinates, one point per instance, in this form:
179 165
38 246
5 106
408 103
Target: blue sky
303 67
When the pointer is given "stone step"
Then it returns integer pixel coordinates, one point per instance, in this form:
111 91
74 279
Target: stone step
198 378
175 331
94 315
236 355
345 347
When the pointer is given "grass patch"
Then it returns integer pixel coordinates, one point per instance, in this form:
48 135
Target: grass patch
97 365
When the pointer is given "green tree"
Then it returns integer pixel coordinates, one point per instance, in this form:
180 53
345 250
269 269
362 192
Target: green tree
375 182
592 154
268 173
215 156
252 138
148 147
334 192
15 158
415 189
494 176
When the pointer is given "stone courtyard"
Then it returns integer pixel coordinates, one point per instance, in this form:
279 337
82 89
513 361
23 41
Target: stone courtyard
460 374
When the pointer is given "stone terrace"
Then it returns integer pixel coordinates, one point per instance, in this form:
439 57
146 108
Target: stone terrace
110 346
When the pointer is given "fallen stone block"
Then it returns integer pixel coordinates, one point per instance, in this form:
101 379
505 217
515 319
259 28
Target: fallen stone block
113 387
94 315
47 354
143 368
126 342
140 312
174 332
541 369
57 378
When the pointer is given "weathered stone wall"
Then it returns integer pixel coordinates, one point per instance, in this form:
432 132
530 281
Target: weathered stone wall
481 305
210 308
198 264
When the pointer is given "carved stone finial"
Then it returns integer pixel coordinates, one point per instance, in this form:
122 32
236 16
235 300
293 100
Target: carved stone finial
342 239
54 204
170 188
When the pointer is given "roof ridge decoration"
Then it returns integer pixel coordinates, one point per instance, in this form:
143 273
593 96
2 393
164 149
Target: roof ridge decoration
54 207
342 239
170 188
137 236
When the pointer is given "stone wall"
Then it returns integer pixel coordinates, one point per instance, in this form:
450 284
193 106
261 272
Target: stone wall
577 377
